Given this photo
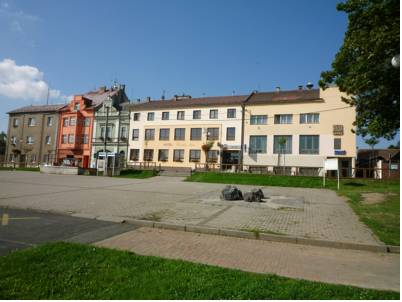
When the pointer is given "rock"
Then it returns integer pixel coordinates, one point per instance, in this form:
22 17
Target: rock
253 196
259 193
231 193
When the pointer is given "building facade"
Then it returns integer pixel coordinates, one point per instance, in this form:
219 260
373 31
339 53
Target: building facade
179 132
289 132
111 128
295 131
32 135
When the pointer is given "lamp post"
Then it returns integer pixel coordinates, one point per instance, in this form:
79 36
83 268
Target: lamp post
105 139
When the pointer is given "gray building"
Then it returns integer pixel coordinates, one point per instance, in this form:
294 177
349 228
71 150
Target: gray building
32 135
111 128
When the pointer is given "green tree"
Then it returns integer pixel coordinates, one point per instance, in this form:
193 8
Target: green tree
362 68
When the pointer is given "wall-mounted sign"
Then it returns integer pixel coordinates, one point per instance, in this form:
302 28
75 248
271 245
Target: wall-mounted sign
337 129
340 152
394 166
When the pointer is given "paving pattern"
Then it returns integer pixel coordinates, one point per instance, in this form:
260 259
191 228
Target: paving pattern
169 199
349 267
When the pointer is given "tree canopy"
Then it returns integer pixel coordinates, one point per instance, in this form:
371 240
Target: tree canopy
362 67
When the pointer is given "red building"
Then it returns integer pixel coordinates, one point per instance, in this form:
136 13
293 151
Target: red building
76 122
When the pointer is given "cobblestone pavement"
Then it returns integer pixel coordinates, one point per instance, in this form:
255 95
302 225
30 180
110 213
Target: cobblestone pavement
349 267
169 199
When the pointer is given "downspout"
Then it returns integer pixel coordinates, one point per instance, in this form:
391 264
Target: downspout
243 114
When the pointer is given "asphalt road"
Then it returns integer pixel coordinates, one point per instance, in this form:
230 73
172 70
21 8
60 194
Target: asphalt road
25 228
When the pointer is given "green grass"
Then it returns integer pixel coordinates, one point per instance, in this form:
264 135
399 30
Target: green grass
72 271
19 169
381 218
137 173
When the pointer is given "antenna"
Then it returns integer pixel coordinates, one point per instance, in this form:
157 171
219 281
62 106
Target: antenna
47 98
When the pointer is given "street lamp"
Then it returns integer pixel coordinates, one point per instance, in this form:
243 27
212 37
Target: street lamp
105 138
395 61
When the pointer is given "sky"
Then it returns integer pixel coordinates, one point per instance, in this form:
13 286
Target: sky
156 47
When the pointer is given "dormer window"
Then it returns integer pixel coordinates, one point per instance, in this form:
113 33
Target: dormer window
77 106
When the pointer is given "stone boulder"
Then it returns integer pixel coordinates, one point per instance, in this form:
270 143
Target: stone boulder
231 193
255 195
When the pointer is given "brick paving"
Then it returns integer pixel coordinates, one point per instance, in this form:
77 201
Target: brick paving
348 267
168 199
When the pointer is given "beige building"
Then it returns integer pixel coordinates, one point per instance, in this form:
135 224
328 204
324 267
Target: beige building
288 132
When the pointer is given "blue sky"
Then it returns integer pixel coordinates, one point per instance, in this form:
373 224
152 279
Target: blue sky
206 47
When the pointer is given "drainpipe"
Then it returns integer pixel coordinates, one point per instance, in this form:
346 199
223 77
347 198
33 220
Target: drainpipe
243 114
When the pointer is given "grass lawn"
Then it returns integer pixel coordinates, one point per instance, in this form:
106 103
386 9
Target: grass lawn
72 271
382 218
137 173
19 169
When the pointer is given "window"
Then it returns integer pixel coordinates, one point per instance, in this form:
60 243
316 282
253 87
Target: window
65 122
212 156
134 154
258 144
77 106
64 139
49 121
31 122
87 121
33 157
180 115
230 133
195 155
165 115
48 140
149 134
73 121
30 140
282 144
151 116
16 122
309 144
148 154
136 117
283 118
231 113
13 140
195 134
136 134
163 155
71 138
108 132
178 155
337 143
196 114
213 113
212 134
123 132
258 119
309 118
179 134
164 134
85 139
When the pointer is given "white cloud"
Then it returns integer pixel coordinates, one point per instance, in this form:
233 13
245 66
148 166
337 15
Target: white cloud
25 82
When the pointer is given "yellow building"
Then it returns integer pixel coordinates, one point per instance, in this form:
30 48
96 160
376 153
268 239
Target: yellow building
288 132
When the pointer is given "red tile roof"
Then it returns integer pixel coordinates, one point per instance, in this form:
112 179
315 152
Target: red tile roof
38 108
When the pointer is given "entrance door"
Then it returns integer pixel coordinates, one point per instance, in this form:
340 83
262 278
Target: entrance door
85 162
230 158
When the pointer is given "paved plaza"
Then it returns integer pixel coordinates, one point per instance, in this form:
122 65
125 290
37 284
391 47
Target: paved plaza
170 199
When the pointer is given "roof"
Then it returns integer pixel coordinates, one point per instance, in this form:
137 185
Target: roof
257 98
38 108
378 153
98 97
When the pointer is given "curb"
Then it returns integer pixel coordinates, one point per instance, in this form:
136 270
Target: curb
265 236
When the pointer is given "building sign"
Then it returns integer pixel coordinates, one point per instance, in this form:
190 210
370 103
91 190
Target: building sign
394 167
340 152
337 129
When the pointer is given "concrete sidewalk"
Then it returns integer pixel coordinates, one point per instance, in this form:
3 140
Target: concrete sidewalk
348 267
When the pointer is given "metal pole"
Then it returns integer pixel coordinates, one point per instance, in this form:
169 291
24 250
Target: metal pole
243 114
105 143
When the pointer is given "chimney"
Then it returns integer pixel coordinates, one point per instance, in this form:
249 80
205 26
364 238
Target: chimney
300 87
102 89
309 85
148 98
139 100
122 87
277 89
162 97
